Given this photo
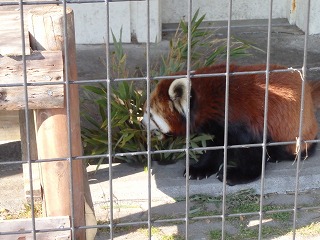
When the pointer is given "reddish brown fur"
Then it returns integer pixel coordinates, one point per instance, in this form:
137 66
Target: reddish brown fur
246 102
160 102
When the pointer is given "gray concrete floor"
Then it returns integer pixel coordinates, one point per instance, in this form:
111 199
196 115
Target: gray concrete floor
130 183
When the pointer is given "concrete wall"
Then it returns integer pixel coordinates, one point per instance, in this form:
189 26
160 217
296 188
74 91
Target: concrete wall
131 16
298 15
216 10
90 18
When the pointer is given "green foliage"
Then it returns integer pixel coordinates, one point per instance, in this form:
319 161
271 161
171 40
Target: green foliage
196 141
127 101
118 70
205 49
126 110
127 134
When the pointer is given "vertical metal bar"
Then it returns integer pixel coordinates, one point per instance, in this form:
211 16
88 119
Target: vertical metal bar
148 132
109 91
67 93
265 120
226 125
189 41
299 140
26 110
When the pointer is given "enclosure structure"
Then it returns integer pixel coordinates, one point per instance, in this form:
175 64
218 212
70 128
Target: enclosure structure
132 18
151 220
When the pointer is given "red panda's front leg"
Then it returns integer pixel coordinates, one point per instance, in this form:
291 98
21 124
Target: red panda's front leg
243 165
209 164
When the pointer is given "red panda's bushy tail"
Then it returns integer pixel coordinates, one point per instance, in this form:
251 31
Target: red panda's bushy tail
315 91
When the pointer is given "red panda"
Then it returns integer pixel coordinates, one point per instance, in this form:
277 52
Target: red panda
168 107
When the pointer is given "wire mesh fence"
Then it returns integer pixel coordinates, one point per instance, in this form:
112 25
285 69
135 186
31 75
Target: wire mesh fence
72 157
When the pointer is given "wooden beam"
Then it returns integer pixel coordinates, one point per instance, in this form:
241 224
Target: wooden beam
10 34
21 225
41 67
52 125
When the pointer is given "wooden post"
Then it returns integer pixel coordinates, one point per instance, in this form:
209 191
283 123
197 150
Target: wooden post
46 33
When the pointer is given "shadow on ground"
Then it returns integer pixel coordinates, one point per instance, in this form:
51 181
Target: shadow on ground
130 203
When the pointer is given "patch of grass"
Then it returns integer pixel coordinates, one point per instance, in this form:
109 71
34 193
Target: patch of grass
173 237
26 212
278 216
154 231
267 231
215 234
245 208
157 232
204 198
246 233
242 201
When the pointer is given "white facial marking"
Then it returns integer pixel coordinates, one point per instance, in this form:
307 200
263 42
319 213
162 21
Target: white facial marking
145 122
160 122
156 122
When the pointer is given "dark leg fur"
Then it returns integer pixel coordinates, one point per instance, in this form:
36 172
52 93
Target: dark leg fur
207 165
244 165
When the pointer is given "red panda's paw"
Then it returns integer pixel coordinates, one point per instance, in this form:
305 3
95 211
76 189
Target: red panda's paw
238 175
198 172
231 176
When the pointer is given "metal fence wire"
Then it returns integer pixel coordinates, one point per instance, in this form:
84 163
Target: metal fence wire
112 224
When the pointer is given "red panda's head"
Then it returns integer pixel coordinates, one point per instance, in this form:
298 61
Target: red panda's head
168 107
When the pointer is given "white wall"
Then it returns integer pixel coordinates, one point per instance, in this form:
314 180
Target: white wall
90 18
298 15
216 10
131 16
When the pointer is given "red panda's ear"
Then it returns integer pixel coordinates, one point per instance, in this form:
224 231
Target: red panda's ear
178 94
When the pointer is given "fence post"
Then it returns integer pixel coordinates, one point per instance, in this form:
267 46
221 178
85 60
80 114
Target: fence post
46 33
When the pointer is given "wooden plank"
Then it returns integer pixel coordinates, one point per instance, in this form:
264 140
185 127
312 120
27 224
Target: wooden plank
9 126
22 225
52 125
10 34
41 67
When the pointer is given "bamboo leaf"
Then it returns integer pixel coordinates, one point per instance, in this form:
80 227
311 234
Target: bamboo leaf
195 16
183 26
92 121
197 23
96 90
